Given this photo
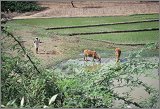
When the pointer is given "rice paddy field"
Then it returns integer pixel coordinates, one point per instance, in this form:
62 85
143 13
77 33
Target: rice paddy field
58 22
127 38
89 84
124 38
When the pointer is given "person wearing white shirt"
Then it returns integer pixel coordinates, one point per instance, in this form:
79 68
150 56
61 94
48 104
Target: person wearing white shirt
36 44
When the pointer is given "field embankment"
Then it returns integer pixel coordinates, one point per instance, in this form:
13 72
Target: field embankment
83 26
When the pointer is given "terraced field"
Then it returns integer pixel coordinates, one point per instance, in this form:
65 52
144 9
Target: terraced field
126 38
100 28
98 31
76 21
116 27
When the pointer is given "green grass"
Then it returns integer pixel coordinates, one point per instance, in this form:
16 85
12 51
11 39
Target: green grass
32 26
57 22
126 38
108 28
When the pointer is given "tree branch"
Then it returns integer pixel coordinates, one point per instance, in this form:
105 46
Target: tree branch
10 34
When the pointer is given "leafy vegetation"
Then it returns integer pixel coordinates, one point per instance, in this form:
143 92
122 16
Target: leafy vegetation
19 6
92 85
21 80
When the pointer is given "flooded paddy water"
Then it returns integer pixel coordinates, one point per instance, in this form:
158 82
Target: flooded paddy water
138 93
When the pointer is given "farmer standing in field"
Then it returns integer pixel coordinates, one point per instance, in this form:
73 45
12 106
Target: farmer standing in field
118 54
36 44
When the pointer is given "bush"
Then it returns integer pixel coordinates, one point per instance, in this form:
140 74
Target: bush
21 80
19 6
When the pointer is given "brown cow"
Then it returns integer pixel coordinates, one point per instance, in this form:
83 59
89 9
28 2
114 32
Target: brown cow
90 53
118 54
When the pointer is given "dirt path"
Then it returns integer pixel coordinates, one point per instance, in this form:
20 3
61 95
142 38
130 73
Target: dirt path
93 8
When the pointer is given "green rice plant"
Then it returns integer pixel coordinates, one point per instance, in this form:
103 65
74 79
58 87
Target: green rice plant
109 28
58 22
126 38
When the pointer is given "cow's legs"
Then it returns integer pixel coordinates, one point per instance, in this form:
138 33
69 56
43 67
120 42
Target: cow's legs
85 57
118 56
93 58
